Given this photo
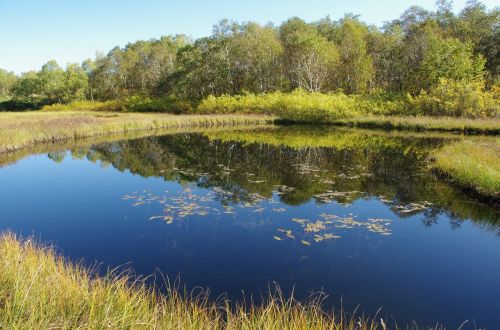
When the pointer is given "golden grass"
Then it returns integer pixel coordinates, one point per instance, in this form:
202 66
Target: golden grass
472 164
18 130
41 290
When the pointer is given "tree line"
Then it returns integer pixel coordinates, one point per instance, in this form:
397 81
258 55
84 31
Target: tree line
411 54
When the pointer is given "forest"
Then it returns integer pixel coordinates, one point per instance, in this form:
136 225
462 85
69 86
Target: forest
424 62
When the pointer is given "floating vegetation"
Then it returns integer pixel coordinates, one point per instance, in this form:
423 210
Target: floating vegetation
179 205
412 208
287 232
282 189
322 230
331 195
314 227
307 169
385 200
319 238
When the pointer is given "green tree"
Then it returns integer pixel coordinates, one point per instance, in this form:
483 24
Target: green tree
28 87
451 59
7 81
310 59
52 82
75 83
256 58
480 27
356 67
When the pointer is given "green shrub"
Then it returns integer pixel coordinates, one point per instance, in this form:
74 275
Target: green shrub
169 104
20 105
113 105
458 99
305 106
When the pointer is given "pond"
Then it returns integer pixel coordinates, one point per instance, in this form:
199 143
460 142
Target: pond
355 214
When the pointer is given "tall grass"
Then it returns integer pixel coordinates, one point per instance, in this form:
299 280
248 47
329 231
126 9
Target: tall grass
41 290
19 130
423 123
473 165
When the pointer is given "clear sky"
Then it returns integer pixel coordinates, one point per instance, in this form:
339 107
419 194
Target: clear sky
35 31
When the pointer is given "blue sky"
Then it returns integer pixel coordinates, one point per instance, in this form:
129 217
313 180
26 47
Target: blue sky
35 31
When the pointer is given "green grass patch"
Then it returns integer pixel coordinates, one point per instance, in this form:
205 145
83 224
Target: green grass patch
471 165
41 290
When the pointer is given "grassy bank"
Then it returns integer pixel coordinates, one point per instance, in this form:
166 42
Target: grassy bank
18 130
367 111
471 165
40 290
423 123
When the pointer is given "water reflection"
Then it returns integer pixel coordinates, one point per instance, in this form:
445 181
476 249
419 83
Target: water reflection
357 214
341 166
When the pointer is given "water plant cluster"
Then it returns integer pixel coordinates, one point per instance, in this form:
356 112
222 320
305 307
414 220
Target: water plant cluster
180 205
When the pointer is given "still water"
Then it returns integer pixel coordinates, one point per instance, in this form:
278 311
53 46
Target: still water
355 214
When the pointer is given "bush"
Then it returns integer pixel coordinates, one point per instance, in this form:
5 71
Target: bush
165 104
86 106
20 105
132 104
458 99
304 106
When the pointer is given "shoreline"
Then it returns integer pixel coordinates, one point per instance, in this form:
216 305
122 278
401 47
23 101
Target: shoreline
20 130
57 293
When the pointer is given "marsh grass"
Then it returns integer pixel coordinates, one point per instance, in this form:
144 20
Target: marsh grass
423 123
18 130
471 164
41 290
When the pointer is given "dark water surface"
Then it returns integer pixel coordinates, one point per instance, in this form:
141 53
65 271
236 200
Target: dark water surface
356 214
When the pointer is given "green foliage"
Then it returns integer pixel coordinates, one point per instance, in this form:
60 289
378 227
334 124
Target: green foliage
409 55
304 106
448 59
28 87
356 68
169 104
112 105
310 58
7 80
454 98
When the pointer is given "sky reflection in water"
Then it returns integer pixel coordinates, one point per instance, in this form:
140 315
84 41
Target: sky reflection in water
355 214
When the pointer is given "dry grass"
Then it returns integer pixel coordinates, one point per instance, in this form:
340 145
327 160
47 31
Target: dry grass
18 130
41 290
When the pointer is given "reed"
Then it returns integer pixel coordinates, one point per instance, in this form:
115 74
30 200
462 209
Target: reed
39 289
471 164
18 130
